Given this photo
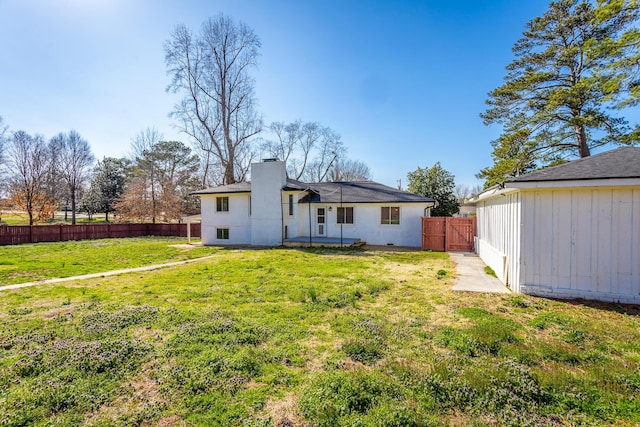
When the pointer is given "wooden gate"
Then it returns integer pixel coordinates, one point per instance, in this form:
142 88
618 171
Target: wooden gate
448 234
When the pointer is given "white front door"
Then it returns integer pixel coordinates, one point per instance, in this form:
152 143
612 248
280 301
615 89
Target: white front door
321 222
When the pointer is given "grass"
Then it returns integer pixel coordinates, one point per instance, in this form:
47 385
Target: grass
325 337
21 218
26 263
490 271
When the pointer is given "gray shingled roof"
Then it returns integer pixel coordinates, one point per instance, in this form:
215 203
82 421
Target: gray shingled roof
330 192
360 192
623 162
239 187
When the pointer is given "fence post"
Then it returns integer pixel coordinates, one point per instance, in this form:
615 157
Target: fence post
446 233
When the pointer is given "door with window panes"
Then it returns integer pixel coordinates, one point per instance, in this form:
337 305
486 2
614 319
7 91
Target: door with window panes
321 222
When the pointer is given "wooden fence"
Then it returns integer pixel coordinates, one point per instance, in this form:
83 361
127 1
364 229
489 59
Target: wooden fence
17 234
448 234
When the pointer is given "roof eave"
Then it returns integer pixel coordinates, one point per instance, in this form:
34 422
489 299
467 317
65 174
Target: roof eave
574 183
204 192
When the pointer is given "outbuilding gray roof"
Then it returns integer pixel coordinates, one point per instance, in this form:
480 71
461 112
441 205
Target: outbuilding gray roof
622 162
333 192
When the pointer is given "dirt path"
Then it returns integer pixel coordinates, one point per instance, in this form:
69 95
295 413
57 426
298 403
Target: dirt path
103 274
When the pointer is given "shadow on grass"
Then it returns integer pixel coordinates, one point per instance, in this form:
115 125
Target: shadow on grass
629 309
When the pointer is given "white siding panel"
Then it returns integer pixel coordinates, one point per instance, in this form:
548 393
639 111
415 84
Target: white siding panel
604 245
634 231
583 232
366 223
543 218
623 214
565 243
237 220
499 236
562 229
582 243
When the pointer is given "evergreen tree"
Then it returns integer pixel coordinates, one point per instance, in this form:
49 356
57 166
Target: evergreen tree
164 174
568 74
109 180
437 183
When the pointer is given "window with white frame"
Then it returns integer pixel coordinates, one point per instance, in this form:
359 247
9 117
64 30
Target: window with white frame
345 215
390 215
222 204
222 233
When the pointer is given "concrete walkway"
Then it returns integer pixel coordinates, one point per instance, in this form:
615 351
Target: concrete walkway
104 274
472 277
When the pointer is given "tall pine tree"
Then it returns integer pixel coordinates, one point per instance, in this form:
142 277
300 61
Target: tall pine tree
561 92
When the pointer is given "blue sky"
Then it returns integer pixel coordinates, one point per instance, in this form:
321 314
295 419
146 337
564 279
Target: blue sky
403 82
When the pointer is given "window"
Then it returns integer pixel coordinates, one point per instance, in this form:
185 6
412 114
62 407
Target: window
345 215
390 215
222 204
222 233
290 204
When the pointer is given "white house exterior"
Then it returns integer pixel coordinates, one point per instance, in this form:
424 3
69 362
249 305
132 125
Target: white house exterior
272 210
570 231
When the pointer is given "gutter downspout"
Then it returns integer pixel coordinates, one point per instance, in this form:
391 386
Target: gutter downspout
310 242
281 219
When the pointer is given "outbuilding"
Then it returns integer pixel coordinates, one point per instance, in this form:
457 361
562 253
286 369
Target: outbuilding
569 231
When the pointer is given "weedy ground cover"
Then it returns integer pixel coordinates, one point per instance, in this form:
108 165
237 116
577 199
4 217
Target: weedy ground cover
31 262
280 337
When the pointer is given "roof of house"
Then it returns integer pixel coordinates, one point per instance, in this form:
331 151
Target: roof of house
333 192
623 162
239 187
359 192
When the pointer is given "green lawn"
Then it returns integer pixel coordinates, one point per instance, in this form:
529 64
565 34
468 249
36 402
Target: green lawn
14 218
325 337
26 263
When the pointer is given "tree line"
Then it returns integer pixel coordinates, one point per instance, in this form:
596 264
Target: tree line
154 183
41 176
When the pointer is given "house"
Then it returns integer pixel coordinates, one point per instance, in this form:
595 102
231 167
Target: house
569 231
274 210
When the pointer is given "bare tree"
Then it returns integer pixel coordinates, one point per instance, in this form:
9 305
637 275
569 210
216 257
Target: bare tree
144 142
145 176
163 178
30 163
4 130
310 150
73 161
328 151
463 192
4 133
349 170
211 69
